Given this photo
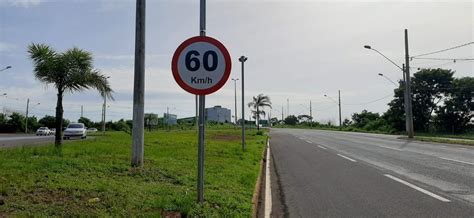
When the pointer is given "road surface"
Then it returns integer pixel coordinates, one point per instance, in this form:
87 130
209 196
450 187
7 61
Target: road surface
342 174
11 140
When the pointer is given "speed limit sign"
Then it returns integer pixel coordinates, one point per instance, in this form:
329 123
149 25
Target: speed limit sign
201 65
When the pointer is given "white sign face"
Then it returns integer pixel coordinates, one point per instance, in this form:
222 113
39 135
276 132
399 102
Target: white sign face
201 65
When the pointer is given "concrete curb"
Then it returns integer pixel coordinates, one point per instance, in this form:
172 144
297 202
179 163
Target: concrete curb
257 190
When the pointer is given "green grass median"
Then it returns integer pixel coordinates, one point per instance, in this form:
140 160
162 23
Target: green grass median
93 177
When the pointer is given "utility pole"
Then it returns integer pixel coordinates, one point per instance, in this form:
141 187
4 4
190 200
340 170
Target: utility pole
340 121
138 87
282 118
287 107
26 119
202 106
82 110
409 114
311 115
235 99
242 59
405 98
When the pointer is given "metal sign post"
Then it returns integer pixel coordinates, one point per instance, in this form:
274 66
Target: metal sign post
201 65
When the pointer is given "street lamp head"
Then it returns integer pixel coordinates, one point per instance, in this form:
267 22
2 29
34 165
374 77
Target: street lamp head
380 74
367 47
4 94
325 95
8 67
242 58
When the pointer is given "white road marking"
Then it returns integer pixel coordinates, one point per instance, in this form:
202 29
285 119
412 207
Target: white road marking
459 161
418 188
396 149
322 147
268 189
340 155
309 141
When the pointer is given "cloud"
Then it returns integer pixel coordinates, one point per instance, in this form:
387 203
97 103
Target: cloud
21 3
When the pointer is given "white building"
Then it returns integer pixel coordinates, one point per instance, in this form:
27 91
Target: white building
218 114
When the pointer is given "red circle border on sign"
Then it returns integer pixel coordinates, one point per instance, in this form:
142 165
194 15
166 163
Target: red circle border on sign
218 85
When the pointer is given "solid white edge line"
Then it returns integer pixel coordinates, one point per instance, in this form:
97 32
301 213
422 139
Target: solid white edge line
459 161
268 189
348 158
322 147
417 188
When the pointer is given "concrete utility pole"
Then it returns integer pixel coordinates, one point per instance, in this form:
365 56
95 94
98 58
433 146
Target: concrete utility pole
287 107
235 99
409 114
26 119
242 59
282 118
340 119
202 106
139 87
311 115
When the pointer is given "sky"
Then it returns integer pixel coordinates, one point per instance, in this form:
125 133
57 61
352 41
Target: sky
297 51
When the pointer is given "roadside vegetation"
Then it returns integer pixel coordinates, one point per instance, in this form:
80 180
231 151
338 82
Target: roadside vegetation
442 106
94 178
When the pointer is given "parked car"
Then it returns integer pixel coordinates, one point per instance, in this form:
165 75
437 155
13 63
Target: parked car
75 130
52 131
43 131
92 130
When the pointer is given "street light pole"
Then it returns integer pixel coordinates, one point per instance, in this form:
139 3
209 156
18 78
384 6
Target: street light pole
340 119
311 115
138 87
242 59
235 99
409 112
6 68
382 75
407 91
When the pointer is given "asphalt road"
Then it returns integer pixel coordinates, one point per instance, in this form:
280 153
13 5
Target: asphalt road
12 140
340 174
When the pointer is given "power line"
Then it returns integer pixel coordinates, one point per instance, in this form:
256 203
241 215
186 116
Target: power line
446 59
373 101
443 50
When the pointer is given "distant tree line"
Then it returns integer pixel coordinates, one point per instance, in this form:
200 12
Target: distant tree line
441 104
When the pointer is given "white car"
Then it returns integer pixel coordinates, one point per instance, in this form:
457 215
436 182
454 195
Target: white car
52 131
43 131
75 130
92 130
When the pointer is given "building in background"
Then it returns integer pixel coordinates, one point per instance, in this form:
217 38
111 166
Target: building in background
218 114
170 119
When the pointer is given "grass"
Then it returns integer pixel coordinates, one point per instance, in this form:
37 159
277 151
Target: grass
93 177
439 139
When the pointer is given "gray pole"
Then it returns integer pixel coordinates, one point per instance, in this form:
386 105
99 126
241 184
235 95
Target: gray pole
242 59
202 105
105 115
311 115
138 87
409 114
196 100
340 121
26 119
287 107
82 110
405 99
235 99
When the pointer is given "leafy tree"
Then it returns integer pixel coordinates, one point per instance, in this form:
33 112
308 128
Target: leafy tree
3 118
87 122
291 120
32 124
346 122
363 118
17 121
304 118
458 108
259 102
50 121
69 71
429 86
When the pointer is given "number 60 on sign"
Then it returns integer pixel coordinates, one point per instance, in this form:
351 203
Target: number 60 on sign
201 65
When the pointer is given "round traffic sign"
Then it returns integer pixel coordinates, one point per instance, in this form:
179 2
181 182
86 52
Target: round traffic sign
201 65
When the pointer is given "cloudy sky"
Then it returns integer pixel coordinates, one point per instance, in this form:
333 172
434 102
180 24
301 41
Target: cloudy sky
297 50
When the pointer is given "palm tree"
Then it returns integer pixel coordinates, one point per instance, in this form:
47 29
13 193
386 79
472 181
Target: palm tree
69 71
259 102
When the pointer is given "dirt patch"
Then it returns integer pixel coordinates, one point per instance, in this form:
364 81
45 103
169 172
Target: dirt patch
223 137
